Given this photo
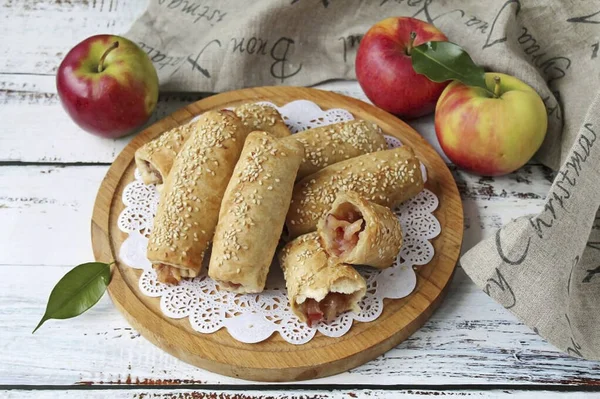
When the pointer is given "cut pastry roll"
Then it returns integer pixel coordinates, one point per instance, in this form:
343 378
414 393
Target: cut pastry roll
360 232
253 213
189 204
319 288
327 145
155 159
263 118
386 178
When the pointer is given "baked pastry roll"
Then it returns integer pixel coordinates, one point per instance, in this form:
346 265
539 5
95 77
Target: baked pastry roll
330 144
253 213
386 178
319 288
360 232
189 204
264 118
155 159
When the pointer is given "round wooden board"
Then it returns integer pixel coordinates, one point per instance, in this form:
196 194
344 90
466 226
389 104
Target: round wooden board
275 359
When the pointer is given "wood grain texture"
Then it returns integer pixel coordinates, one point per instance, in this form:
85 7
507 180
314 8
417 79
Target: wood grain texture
469 340
60 213
305 394
30 105
274 359
61 24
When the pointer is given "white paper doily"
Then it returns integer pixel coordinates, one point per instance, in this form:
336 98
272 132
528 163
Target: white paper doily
254 317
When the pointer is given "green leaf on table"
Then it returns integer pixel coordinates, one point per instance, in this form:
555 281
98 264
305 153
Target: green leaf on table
442 61
79 289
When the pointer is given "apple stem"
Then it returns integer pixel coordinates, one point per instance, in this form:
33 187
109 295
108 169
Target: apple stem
108 50
411 43
496 86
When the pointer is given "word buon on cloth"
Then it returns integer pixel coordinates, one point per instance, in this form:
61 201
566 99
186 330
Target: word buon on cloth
545 268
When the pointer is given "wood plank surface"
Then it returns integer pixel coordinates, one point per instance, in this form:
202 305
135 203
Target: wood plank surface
303 394
42 31
35 128
49 211
469 340
30 106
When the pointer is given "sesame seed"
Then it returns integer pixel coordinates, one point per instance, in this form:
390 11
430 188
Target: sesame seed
179 209
381 182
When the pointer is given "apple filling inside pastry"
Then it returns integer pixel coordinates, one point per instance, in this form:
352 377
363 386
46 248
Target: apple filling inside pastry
169 274
326 309
152 173
342 229
229 286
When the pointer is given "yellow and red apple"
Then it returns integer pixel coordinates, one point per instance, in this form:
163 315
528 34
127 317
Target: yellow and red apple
107 85
490 132
384 67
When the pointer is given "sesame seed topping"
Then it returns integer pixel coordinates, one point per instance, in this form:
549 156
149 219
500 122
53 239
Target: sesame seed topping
384 183
258 116
253 185
334 143
180 210
171 140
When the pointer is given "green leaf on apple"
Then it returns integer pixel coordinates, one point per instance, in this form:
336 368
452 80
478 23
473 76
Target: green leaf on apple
442 61
78 290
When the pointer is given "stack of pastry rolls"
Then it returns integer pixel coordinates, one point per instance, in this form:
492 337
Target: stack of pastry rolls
194 164
348 204
319 287
189 204
320 279
238 178
155 159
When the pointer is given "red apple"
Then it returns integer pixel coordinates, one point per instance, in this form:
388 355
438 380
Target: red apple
107 85
384 67
490 132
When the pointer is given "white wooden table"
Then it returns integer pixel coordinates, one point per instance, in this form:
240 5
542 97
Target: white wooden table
49 173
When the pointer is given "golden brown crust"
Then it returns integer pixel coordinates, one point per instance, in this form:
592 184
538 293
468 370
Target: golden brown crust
155 158
327 145
262 118
189 204
253 212
379 242
310 273
387 178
